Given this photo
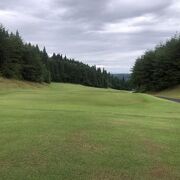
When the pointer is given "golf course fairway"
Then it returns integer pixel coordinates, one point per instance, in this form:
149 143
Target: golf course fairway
65 131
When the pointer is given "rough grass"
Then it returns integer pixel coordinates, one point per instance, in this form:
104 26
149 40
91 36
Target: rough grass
172 92
68 131
7 84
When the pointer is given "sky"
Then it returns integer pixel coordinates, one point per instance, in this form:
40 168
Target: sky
111 34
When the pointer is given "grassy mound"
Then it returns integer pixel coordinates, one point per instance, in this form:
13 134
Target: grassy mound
171 93
65 131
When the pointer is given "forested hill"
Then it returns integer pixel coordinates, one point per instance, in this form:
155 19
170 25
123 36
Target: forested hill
158 69
24 61
126 77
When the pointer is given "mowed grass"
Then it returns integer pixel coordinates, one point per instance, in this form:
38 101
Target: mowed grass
172 92
65 131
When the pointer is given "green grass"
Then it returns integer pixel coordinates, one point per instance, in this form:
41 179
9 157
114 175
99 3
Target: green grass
172 92
65 131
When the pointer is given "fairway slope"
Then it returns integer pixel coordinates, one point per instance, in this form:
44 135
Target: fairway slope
65 131
170 93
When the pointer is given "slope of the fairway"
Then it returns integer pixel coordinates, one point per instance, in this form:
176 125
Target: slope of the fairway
170 93
65 131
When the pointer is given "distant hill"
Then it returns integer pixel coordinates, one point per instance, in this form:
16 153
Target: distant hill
120 76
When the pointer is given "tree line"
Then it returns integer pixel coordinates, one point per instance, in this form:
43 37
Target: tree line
158 69
20 60
24 61
71 71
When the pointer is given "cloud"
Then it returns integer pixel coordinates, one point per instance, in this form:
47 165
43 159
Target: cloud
108 33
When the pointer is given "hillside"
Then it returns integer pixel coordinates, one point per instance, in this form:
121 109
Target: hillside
65 131
171 92
12 85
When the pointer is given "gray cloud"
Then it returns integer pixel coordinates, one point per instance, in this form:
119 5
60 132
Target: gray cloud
109 33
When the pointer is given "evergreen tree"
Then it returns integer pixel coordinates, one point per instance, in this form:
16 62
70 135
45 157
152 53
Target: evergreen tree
158 69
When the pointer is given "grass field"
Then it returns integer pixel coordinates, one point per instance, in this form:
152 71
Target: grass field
172 92
65 131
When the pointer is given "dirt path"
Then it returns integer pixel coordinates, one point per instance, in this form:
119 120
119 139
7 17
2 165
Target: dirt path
170 99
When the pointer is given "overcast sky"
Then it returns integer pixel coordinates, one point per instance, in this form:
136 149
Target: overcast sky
107 33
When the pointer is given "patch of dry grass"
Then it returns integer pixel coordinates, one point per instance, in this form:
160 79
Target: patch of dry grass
14 84
171 92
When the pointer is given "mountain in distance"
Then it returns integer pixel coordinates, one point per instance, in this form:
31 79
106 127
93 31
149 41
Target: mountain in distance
120 76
